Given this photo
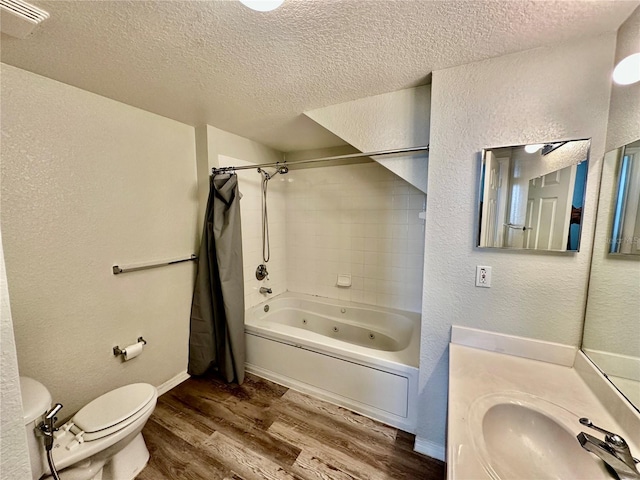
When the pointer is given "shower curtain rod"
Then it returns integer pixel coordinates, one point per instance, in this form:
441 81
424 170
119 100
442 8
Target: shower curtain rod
322 159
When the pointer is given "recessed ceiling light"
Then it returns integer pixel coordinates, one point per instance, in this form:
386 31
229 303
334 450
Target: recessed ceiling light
262 5
628 70
533 148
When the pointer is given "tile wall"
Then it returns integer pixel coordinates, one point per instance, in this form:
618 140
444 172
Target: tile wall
360 220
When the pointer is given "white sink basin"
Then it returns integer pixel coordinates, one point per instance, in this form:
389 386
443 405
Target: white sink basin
520 436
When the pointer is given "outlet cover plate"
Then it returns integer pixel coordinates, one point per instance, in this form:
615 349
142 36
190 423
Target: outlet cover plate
483 276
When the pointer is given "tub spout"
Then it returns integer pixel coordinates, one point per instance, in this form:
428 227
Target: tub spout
265 290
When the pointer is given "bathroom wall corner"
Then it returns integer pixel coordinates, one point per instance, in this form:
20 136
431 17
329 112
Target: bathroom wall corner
14 454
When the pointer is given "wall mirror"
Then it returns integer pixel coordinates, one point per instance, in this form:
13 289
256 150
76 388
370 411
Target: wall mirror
532 196
625 223
611 336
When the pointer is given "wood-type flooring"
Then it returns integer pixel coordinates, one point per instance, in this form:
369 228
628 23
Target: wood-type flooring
207 429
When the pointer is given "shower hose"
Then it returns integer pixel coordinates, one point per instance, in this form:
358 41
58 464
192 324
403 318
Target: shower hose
266 251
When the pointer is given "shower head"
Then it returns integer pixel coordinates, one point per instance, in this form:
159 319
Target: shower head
283 169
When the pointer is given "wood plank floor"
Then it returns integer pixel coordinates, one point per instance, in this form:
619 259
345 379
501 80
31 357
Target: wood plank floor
207 429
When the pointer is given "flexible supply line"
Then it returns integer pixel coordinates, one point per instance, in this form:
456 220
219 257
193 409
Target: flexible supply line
52 466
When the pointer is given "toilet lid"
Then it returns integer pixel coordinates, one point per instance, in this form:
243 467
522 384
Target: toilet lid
114 407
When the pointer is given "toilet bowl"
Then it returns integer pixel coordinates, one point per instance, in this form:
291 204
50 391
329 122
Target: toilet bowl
101 441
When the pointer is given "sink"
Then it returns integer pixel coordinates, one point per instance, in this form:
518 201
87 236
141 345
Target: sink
521 436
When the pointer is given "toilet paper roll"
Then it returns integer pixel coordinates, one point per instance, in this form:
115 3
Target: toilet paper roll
132 351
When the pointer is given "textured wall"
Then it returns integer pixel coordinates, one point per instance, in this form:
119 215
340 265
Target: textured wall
383 122
14 454
549 93
88 183
624 112
360 220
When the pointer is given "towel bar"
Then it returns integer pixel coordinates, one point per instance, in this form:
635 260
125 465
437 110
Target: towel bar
117 270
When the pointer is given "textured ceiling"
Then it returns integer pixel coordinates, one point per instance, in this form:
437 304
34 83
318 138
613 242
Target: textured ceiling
254 73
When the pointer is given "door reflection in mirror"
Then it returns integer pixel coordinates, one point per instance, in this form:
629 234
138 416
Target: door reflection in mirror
532 196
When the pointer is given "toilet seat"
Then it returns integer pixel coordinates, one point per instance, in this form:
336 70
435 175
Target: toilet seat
111 412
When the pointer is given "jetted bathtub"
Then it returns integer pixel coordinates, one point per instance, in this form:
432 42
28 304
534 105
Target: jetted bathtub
362 357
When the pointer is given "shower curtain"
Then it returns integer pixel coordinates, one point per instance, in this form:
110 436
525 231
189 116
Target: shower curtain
216 339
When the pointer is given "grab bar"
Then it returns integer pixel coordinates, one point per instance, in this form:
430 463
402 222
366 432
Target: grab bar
134 268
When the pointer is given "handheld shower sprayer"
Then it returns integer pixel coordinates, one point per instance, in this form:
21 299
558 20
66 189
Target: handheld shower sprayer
261 271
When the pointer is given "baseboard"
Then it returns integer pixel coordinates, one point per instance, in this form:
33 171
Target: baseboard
172 382
429 448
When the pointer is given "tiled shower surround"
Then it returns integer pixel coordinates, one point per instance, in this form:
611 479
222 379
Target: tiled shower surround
360 220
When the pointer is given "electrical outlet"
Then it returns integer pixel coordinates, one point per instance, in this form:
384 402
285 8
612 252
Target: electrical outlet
483 276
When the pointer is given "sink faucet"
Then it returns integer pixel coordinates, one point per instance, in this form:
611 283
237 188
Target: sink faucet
265 290
614 451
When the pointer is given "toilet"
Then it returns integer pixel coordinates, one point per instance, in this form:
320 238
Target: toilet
102 441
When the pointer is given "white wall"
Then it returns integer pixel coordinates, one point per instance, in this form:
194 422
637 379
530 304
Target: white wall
88 183
384 122
14 453
624 112
360 220
551 93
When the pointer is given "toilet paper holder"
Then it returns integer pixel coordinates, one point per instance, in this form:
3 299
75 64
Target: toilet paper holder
118 351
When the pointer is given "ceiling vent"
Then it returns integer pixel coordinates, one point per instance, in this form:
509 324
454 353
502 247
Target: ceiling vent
19 19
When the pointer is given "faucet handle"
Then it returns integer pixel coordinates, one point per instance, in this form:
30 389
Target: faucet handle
611 438
51 414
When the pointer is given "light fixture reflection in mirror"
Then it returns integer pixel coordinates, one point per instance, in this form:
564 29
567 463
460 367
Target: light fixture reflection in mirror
627 71
532 196
625 224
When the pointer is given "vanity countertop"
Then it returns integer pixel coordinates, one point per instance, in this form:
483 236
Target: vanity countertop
474 373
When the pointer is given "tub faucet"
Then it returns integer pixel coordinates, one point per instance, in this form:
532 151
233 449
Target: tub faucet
265 290
614 451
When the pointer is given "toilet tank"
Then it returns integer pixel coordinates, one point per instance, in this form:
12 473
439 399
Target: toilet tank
36 401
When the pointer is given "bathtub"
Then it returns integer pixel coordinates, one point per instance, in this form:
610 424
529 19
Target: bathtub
358 356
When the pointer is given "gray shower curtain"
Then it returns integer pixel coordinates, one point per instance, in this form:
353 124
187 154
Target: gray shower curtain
216 339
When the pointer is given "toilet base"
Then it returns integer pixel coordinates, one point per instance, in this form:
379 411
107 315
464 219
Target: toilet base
128 462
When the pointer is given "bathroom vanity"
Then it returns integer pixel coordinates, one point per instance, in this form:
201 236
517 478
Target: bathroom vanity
515 405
